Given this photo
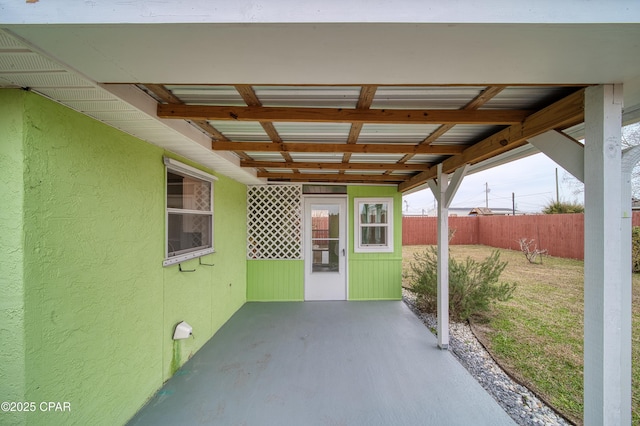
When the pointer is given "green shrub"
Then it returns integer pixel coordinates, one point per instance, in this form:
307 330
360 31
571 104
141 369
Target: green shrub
473 286
635 248
558 207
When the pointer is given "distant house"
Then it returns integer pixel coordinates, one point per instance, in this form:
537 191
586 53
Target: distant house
481 211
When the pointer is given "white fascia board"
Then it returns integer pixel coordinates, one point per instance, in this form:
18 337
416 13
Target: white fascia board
222 161
318 11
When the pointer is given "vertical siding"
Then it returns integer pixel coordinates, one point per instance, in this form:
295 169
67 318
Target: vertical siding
375 279
376 275
275 280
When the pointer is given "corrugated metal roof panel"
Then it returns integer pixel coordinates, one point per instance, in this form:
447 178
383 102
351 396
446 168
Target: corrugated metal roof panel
400 133
324 157
324 172
375 158
313 132
401 97
208 95
267 156
241 131
307 96
466 134
425 158
526 97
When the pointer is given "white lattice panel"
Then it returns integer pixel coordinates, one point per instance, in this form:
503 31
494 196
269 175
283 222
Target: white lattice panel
274 222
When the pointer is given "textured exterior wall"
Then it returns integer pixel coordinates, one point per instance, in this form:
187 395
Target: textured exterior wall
275 280
376 275
12 375
99 307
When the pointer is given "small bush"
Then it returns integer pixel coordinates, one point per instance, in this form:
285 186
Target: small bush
559 207
473 286
635 248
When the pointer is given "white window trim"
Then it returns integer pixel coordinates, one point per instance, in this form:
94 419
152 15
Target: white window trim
358 247
177 166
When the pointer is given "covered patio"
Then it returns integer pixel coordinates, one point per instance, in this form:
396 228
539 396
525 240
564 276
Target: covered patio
360 105
322 363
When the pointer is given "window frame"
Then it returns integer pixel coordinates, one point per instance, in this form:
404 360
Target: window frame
358 247
175 166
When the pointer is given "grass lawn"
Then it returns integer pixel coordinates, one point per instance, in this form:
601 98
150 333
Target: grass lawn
538 335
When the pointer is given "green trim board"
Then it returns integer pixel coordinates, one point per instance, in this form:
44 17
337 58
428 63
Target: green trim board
98 307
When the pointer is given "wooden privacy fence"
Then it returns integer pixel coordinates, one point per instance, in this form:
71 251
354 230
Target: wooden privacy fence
562 235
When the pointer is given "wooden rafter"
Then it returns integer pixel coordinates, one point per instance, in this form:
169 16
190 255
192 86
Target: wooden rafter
519 125
332 177
341 115
332 166
367 93
251 99
485 96
565 113
167 96
379 148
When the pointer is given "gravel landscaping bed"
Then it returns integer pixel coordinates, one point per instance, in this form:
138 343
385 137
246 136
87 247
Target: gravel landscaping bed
520 403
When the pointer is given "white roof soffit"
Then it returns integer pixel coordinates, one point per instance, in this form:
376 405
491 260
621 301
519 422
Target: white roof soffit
124 107
318 11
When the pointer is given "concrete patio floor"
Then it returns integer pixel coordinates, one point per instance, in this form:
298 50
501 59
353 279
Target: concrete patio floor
322 363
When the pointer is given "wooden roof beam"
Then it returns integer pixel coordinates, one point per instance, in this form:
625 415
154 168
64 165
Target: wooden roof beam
251 99
341 115
377 148
332 166
166 95
565 113
367 93
325 177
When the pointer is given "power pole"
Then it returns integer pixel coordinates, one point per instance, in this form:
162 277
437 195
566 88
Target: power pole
557 191
513 203
486 194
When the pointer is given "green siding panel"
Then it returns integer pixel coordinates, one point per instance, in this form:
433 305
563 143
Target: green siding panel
275 280
376 275
99 307
12 348
375 279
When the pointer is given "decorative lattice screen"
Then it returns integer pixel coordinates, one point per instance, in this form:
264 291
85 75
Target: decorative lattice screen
274 222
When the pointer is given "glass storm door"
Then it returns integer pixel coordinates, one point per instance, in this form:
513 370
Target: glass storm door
325 249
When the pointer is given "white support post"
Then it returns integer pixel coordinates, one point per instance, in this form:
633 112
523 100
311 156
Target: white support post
443 261
630 158
444 192
603 264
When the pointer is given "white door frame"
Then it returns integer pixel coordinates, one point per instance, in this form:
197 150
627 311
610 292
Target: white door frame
334 284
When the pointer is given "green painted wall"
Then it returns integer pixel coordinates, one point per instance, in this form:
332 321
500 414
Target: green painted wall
275 280
376 275
99 308
12 374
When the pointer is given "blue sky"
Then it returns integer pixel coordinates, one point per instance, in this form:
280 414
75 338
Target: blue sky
532 179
